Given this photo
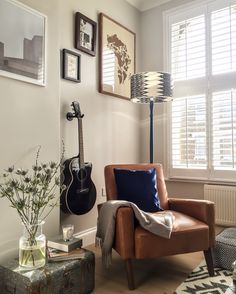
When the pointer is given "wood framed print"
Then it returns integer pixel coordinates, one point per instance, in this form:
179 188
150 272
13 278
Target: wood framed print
71 66
22 42
116 57
85 34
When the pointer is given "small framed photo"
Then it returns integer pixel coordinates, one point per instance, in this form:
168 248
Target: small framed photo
71 66
85 34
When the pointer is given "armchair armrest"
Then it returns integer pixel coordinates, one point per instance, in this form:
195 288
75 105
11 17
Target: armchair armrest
124 236
202 210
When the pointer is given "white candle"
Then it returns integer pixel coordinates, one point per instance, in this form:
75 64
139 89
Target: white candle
67 232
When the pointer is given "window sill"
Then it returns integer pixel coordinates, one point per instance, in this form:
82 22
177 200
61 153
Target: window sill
201 181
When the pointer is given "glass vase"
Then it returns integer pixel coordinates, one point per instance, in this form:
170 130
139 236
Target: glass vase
32 247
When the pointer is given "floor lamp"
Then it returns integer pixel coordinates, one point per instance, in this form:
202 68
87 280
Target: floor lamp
151 87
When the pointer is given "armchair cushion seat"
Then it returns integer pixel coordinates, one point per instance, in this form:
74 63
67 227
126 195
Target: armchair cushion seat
188 235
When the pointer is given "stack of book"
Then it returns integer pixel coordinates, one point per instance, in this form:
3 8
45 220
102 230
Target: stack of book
60 250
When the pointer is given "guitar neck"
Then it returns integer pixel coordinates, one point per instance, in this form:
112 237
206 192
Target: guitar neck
81 144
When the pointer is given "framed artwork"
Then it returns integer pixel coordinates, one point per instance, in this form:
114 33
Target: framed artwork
71 66
22 42
116 57
85 34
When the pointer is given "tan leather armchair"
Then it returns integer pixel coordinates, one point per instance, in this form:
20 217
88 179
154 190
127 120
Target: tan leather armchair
194 225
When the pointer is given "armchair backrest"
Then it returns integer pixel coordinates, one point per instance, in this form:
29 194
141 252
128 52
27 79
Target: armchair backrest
110 182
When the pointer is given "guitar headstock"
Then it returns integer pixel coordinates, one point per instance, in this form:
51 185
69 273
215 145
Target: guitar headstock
76 108
77 112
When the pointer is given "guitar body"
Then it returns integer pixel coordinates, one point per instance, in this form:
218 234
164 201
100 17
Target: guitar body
80 194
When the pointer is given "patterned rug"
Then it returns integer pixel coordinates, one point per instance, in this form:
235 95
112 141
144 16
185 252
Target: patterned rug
199 282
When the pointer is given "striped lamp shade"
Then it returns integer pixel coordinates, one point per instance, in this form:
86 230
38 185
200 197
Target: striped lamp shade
153 85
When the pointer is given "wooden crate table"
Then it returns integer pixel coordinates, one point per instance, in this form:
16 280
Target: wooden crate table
64 277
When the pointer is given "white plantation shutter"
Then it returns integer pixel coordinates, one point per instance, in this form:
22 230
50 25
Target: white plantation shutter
224 129
202 61
108 68
223 30
189 132
188 48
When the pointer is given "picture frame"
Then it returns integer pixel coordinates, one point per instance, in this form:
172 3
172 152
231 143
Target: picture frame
85 34
22 47
117 50
71 66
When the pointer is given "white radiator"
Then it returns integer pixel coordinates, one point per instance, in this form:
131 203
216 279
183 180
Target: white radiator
224 198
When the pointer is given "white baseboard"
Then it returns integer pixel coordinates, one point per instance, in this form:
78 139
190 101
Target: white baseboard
9 250
88 236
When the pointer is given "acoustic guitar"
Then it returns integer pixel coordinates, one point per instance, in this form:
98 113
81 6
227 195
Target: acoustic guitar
79 195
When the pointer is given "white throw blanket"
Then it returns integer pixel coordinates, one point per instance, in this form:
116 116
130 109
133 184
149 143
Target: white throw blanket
160 224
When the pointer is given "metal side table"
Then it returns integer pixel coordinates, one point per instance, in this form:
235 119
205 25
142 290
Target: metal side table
64 277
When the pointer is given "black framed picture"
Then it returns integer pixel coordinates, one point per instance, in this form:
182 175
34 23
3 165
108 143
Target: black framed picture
71 66
85 34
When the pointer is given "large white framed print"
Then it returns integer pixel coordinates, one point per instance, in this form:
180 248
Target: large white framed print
22 43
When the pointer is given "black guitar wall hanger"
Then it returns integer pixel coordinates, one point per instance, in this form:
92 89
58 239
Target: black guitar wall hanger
70 116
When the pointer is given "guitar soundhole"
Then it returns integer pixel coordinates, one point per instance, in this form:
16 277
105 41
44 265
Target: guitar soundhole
82 174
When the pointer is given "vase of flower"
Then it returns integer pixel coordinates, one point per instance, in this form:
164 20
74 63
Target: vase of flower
33 193
32 246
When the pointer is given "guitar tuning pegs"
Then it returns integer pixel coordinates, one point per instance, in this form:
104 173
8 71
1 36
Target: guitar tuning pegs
70 116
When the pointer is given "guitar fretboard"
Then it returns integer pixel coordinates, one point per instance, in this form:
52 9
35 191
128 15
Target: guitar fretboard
81 144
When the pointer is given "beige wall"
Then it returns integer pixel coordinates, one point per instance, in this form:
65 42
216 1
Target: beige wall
31 115
152 59
185 190
110 124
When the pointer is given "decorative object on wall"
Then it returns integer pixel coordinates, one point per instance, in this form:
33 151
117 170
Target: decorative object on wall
85 34
116 57
151 87
71 66
22 42
79 196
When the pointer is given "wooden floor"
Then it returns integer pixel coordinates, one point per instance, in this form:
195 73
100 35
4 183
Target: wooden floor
152 276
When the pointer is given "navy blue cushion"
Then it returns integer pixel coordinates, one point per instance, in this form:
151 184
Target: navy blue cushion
139 187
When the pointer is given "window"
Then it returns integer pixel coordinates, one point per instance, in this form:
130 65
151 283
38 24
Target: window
188 48
201 42
223 35
189 132
224 130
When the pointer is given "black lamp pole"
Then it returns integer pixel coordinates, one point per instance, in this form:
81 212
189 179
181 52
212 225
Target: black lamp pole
151 130
151 87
